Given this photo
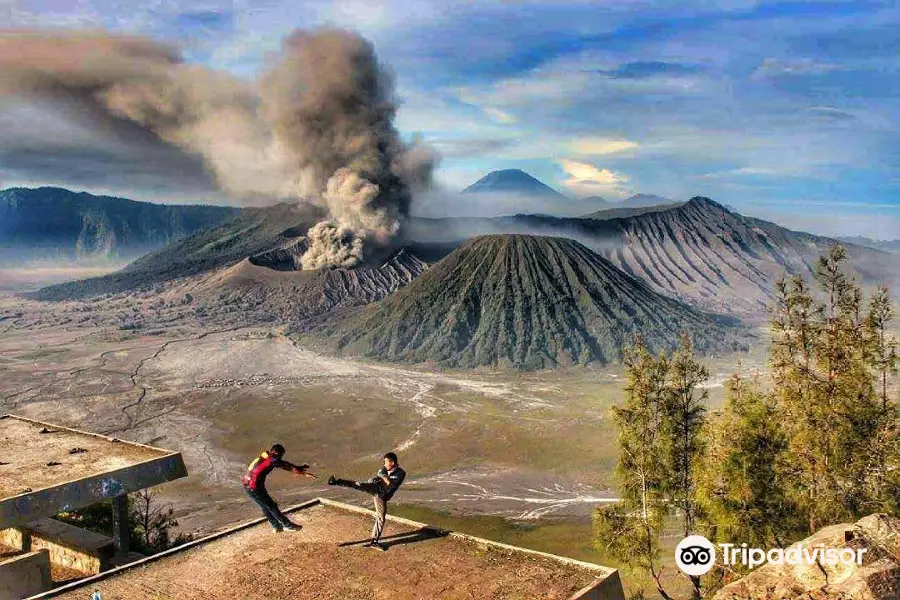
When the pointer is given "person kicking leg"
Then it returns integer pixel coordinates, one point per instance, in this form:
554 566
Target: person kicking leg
382 488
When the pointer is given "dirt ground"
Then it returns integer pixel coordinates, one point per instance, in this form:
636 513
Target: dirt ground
524 446
257 563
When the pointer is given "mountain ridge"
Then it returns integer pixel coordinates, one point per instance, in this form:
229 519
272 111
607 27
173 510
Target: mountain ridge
642 200
254 231
624 212
520 301
699 251
52 223
883 245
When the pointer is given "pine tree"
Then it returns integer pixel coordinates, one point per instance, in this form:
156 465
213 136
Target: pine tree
882 348
743 483
631 528
683 434
880 467
830 366
822 447
660 427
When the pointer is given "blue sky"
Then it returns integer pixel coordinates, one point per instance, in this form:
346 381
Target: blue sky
785 110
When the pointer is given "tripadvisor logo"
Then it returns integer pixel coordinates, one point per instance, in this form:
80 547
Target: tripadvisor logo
695 555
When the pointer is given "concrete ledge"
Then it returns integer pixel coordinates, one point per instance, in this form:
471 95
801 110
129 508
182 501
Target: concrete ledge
25 575
71 546
607 588
69 536
145 467
27 507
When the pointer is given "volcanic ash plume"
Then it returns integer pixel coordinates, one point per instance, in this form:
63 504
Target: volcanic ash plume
317 127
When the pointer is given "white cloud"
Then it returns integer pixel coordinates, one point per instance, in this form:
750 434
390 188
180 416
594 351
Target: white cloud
586 178
499 115
753 172
593 146
774 67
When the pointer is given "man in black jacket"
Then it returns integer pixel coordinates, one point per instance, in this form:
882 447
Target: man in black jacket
382 488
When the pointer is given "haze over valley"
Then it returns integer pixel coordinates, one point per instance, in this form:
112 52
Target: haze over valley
303 227
172 348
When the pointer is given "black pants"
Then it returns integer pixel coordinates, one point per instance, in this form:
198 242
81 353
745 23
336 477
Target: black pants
268 507
374 489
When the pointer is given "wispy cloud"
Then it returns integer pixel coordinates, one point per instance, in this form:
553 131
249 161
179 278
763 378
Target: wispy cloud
600 146
499 115
645 69
775 67
736 100
750 172
584 178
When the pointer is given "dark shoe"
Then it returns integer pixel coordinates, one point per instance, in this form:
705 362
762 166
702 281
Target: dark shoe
377 546
332 480
293 527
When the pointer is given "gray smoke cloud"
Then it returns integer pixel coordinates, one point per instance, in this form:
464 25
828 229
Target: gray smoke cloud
317 127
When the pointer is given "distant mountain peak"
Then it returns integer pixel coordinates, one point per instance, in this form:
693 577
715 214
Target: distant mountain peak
474 309
706 203
641 200
599 202
511 181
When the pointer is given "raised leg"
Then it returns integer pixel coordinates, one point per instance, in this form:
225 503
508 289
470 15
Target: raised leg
368 487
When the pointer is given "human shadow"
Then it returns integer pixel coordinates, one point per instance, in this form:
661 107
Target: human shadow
407 537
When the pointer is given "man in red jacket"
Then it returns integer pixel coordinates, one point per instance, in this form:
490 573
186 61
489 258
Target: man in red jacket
255 485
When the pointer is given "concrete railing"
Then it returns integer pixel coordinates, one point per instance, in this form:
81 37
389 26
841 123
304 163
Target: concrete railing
69 546
25 575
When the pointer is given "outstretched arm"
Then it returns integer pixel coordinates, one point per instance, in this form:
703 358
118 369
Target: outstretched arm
301 470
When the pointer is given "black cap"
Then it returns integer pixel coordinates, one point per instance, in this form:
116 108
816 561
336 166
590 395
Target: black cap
278 449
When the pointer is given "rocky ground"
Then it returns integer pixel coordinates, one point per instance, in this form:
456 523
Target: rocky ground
877 577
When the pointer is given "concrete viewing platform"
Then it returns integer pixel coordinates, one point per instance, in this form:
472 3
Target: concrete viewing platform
47 469
324 561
